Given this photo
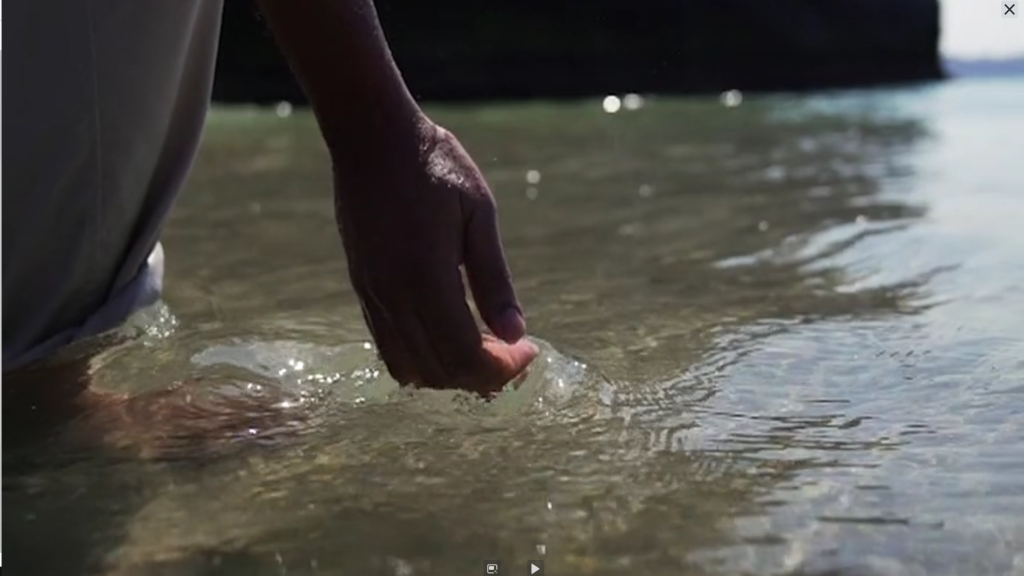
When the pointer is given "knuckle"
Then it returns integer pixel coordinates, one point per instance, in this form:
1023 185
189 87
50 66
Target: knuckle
485 204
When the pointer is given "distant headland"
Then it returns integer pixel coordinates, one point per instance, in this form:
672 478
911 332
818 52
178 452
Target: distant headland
960 68
462 50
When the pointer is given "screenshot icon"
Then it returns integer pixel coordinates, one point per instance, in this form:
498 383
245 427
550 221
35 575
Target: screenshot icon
491 568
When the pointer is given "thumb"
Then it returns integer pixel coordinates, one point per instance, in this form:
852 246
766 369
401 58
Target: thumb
489 277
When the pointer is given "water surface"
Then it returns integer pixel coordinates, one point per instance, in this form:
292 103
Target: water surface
779 337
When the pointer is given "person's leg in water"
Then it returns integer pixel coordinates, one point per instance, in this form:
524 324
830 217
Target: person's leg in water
111 98
194 418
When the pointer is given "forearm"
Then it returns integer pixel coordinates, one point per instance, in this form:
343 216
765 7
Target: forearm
339 54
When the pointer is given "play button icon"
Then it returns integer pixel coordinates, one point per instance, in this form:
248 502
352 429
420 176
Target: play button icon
535 568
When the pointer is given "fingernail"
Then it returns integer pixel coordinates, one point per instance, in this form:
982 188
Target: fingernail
534 349
512 325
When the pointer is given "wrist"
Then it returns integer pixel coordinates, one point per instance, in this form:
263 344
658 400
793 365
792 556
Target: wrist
381 133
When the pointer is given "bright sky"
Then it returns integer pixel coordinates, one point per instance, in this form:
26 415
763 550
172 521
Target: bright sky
977 29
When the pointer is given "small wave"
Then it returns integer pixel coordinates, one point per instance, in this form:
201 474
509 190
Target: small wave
206 393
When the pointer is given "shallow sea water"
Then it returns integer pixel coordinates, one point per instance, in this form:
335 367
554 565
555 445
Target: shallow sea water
780 336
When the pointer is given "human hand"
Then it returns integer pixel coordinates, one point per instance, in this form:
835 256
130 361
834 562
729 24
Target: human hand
410 213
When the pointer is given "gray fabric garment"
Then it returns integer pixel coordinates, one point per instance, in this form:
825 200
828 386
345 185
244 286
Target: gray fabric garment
105 104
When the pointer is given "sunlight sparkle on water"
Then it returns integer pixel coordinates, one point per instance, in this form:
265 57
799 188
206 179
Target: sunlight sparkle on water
731 98
633 101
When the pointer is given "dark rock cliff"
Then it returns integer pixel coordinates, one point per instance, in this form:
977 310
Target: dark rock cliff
457 50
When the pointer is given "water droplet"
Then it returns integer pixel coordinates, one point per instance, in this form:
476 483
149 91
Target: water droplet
533 176
284 109
611 104
731 98
633 101
762 225
532 193
646 191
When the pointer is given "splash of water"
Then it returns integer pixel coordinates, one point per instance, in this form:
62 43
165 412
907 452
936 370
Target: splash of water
214 392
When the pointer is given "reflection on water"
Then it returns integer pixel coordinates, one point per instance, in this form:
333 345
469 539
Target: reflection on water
776 339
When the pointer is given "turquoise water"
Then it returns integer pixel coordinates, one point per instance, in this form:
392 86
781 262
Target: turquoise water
781 336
